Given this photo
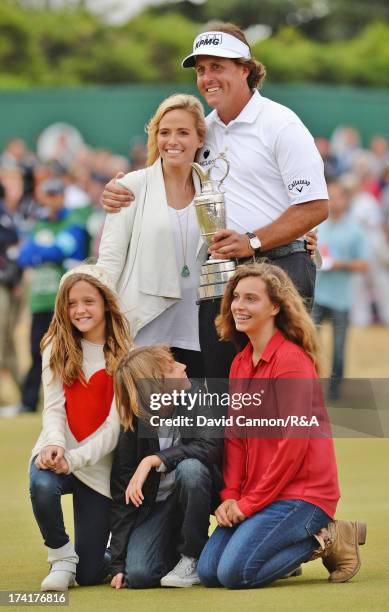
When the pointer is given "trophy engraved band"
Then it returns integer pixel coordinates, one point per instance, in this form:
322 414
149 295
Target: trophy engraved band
211 216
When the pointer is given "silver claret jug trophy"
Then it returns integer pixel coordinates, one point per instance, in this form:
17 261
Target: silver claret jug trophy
211 216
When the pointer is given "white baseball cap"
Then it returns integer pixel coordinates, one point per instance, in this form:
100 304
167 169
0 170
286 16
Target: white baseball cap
218 44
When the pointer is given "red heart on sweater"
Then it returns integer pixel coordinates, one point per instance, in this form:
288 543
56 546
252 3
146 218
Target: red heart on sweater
88 405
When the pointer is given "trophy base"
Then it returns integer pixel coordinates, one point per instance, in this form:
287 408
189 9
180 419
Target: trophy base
215 274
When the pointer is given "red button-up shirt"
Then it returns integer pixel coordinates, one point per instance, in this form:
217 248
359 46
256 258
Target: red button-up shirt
261 470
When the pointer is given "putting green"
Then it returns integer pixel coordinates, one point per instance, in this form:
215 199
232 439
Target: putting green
363 466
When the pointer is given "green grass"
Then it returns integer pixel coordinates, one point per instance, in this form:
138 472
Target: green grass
363 476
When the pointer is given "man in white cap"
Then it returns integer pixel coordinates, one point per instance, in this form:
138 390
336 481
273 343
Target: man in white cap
275 190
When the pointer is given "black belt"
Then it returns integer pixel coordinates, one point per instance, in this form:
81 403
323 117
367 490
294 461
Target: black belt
297 246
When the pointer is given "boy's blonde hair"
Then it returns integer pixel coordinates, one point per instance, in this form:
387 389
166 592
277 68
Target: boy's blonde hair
138 375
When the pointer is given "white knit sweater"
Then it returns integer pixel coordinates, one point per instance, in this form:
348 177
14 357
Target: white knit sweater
90 459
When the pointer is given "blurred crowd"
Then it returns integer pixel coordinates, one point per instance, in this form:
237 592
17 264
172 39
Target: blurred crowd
51 216
360 176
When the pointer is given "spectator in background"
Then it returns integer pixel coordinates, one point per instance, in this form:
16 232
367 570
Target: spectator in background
19 198
371 290
16 155
138 155
76 195
18 209
380 150
364 168
10 275
95 221
384 199
345 146
55 242
118 163
323 145
99 161
343 246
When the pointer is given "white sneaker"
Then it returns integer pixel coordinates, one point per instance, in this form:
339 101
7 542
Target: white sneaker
183 575
62 574
58 580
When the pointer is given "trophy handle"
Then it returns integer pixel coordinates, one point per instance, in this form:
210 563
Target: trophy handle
204 175
223 158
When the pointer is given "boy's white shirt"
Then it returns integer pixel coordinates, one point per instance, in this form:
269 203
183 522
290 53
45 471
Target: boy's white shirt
91 459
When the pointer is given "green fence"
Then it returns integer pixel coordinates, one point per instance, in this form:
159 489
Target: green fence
112 116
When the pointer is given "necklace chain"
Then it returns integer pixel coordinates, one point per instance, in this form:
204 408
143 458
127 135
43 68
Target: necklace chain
185 271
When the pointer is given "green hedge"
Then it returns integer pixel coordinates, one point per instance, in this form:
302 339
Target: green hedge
363 60
71 47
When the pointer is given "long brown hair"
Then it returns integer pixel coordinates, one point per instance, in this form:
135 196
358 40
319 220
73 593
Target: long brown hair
138 375
292 319
66 350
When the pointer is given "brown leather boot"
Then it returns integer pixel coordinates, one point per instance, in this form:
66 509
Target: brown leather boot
339 549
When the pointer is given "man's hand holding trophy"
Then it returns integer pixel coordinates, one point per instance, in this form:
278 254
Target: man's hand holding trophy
211 215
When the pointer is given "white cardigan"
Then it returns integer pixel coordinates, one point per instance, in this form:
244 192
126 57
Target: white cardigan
91 459
137 249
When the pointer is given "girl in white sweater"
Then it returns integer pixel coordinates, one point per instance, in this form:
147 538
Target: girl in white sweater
87 337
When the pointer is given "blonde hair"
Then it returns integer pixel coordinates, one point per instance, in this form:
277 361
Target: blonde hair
66 351
257 71
292 319
138 375
175 102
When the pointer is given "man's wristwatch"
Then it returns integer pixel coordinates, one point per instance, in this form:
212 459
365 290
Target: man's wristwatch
254 241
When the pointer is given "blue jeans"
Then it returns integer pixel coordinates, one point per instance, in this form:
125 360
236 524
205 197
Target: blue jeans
339 321
174 526
91 520
265 547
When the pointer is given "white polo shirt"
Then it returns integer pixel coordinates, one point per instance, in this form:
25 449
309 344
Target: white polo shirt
274 163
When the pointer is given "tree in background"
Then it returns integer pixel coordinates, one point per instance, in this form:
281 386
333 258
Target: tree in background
321 20
329 41
345 19
363 60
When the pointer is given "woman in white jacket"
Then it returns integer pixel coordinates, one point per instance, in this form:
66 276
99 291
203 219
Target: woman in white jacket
153 249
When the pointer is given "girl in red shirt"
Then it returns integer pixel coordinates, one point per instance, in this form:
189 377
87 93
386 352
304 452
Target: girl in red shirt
281 490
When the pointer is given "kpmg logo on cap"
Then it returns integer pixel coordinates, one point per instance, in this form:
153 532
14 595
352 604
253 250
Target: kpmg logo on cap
209 39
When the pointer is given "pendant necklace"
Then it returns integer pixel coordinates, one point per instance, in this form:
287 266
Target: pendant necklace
185 271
